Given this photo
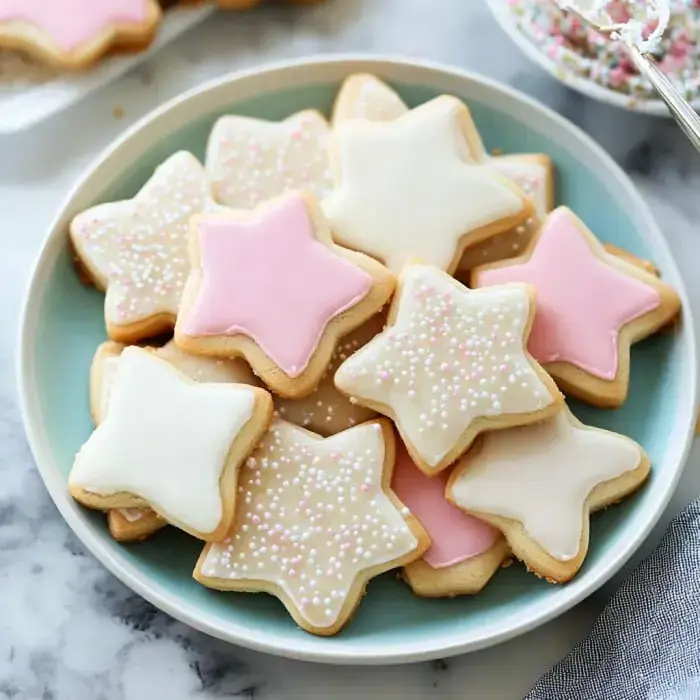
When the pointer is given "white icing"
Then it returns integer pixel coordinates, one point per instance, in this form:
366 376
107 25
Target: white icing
250 160
165 439
541 476
197 367
452 355
138 248
311 517
406 190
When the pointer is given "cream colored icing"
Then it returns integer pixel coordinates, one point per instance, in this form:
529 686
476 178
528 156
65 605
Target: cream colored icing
165 439
451 356
311 517
138 247
541 476
251 160
407 191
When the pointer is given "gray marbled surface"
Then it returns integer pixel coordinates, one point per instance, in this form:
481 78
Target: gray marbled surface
68 629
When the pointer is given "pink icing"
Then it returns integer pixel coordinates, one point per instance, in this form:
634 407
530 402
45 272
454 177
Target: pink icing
582 303
455 535
71 23
269 278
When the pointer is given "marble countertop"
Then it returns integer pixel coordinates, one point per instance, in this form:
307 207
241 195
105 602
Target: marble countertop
68 629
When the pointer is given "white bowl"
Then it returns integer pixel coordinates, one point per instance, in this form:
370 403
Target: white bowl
505 17
63 324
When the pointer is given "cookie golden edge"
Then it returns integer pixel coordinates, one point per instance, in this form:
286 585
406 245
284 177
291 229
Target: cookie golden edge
535 558
240 345
482 423
466 578
244 443
576 382
357 590
25 36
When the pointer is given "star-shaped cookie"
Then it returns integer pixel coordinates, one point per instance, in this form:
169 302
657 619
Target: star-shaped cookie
316 520
251 160
464 553
136 250
270 285
365 96
591 306
538 485
451 363
74 33
408 190
129 524
172 444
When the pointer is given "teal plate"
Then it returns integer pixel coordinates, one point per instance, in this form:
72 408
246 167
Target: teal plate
63 325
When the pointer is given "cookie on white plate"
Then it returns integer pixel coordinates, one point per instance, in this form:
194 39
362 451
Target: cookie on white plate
538 484
364 96
136 250
409 189
271 285
317 519
451 363
172 444
591 307
130 524
252 160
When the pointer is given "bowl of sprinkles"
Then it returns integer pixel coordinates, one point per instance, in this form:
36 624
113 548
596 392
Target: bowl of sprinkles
595 66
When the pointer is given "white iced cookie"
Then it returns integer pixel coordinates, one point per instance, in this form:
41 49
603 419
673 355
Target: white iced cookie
451 363
365 96
136 250
172 444
198 367
251 160
130 524
316 520
408 190
538 484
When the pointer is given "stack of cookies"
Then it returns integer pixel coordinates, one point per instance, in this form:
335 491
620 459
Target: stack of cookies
372 324
74 34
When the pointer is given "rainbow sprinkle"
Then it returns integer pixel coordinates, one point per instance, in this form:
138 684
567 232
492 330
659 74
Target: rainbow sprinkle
576 48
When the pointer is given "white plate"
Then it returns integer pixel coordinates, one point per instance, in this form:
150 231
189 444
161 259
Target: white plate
63 323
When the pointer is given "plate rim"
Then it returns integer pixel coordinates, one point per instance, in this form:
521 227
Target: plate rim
313 649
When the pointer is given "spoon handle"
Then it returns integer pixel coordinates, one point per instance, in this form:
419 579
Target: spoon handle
680 109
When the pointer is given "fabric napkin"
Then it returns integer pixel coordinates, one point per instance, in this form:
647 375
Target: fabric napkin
646 643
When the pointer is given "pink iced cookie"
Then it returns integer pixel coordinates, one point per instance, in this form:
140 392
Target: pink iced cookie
270 285
464 553
591 306
74 33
